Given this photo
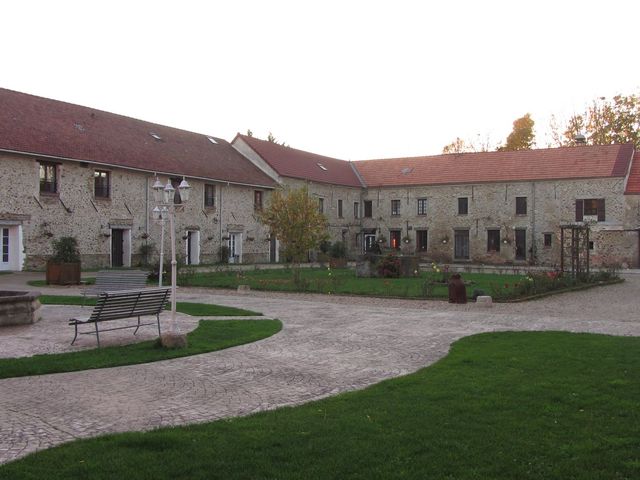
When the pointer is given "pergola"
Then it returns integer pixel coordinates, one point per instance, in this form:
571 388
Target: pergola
574 248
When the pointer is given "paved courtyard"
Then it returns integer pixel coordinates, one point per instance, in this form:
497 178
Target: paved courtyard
328 345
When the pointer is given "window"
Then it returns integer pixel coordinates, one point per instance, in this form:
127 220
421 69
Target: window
339 208
395 207
493 240
257 200
321 205
421 240
356 210
101 181
422 206
394 238
521 205
5 245
547 239
591 207
48 177
463 206
210 195
368 209
461 245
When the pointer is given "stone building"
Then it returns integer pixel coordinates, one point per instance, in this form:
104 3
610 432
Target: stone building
72 170
490 207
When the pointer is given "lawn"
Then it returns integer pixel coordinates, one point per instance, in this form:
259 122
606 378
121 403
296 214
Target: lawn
210 335
193 309
536 405
344 281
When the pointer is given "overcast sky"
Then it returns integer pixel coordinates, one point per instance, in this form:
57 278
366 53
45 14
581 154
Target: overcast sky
349 79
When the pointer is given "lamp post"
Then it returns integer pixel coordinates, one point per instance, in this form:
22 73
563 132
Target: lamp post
166 208
160 216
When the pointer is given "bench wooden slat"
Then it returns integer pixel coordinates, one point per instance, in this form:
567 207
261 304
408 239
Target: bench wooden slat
125 304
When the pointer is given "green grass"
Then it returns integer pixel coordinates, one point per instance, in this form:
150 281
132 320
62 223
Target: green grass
210 335
343 281
499 406
43 283
193 309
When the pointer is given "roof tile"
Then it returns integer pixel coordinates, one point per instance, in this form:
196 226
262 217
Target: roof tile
294 163
524 165
47 127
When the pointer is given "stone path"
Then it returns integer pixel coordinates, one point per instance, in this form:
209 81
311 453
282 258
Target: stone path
328 345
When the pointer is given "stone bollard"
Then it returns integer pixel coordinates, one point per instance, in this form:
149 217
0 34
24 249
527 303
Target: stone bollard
244 288
484 301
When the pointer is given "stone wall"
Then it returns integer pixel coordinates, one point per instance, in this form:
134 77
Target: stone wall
493 207
75 211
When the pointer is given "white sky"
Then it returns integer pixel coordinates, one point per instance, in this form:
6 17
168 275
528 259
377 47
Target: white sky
350 79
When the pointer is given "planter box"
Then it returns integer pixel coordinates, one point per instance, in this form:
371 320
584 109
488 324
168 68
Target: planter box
63 273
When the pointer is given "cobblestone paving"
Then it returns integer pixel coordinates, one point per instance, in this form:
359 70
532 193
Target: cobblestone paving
328 345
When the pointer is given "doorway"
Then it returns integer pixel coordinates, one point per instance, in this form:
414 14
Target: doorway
235 248
273 250
120 247
521 244
461 244
369 242
193 247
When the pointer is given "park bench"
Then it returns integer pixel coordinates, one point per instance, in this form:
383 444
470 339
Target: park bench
115 280
122 305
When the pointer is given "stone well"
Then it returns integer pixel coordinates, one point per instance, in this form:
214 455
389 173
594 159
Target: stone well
19 308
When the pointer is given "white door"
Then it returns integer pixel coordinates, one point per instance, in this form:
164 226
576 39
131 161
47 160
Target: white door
235 248
5 245
11 248
193 247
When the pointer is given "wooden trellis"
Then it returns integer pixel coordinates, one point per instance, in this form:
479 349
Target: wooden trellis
574 249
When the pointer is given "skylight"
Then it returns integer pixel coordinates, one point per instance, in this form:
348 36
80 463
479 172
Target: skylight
212 140
407 170
322 166
155 135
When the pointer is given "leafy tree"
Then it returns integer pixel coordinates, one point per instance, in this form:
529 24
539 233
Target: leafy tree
604 122
293 217
457 146
463 146
521 137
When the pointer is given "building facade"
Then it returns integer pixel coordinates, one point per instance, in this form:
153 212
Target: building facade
68 170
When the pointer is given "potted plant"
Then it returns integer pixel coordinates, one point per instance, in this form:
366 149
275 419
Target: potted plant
63 268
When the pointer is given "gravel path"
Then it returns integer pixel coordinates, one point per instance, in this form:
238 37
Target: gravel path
328 345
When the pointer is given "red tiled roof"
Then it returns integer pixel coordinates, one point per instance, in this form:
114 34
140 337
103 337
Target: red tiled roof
293 163
633 184
545 164
47 127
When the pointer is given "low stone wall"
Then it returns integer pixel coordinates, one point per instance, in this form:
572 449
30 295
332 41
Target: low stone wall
19 308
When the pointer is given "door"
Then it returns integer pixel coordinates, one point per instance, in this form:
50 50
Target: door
273 249
117 247
521 244
235 248
193 247
369 241
4 249
461 245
